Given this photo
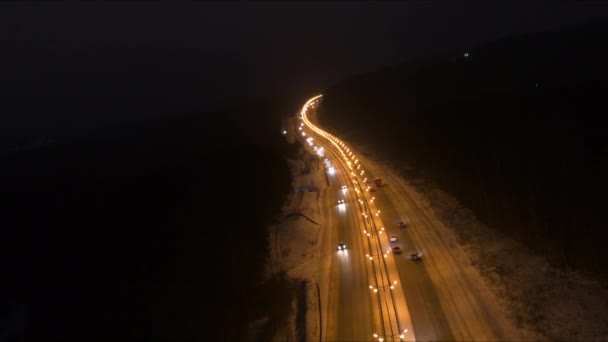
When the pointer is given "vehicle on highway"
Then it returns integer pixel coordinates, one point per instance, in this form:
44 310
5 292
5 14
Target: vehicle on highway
371 189
341 246
415 256
393 238
344 187
341 201
402 224
378 182
396 250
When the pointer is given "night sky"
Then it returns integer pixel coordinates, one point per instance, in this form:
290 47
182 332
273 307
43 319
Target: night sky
71 68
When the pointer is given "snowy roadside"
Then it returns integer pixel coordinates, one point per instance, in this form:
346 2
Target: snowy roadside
548 303
544 302
293 242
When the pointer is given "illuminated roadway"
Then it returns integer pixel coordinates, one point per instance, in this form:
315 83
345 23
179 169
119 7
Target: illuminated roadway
363 288
348 299
434 298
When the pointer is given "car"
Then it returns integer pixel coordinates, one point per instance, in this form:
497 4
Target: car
372 189
341 246
396 250
402 224
415 256
341 201
343 187
393 238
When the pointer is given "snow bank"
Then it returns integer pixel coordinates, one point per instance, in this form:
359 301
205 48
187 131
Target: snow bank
293 241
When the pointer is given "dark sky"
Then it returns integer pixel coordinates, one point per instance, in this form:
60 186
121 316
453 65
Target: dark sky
69 67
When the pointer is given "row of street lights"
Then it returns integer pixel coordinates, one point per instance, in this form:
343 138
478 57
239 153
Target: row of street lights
351 160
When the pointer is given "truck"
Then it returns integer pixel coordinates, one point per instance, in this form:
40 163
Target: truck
378 182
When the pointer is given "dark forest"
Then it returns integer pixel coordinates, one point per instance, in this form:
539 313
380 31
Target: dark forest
513 129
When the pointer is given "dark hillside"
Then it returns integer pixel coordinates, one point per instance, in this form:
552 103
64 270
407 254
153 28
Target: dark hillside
514 131
149 232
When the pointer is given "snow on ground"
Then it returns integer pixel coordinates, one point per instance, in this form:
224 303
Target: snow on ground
546 303
294 240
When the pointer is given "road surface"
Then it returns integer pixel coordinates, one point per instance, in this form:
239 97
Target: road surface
440 297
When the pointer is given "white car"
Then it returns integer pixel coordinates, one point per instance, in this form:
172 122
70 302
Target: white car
393 238
344 187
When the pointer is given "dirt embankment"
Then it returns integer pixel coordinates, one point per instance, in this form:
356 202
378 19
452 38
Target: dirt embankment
293 240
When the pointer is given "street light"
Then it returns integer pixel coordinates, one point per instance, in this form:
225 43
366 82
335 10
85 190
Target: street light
390 287
401 335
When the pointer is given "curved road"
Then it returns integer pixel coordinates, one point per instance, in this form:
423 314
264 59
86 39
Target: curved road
353 311
441 300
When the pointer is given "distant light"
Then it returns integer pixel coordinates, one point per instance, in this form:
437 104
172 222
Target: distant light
284 132
466 54
537 85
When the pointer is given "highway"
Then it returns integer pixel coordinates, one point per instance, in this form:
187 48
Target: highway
361 302
348 302
433 299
